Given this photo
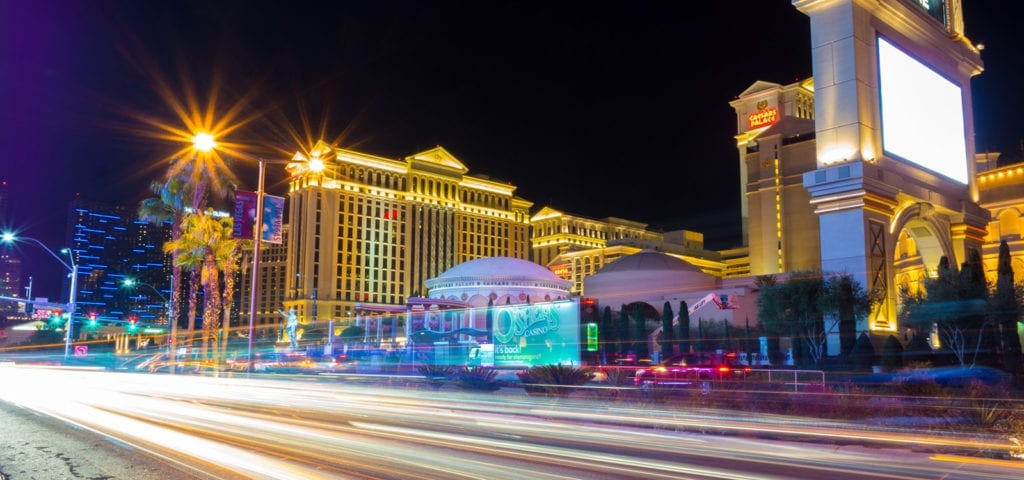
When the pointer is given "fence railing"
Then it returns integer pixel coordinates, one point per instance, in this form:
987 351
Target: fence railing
796 378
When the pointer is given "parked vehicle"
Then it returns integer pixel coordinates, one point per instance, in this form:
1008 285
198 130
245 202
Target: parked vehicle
691 369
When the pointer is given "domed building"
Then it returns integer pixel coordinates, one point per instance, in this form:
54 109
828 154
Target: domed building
501 280
644 275
652 277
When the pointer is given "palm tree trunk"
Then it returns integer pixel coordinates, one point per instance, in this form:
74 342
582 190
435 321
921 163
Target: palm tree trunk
193 300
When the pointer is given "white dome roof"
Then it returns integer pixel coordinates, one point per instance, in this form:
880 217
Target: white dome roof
504 267
645 275
502 279
647 260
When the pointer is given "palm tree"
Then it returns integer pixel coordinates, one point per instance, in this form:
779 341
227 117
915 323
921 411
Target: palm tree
168 207
189 251
211 240
229 266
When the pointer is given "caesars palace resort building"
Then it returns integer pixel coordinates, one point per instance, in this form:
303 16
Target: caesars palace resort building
869 169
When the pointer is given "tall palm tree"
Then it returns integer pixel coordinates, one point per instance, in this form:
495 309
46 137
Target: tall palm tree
168 207
189 251
212 243
229 265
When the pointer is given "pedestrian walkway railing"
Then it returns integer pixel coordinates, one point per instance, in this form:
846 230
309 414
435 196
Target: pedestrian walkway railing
796 378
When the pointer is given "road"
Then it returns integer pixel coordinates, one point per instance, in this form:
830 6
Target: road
239 427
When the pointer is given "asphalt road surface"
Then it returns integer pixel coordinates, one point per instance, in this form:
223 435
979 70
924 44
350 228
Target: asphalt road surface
142 426
38 447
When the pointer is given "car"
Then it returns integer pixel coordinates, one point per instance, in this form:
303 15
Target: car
692 369
276 362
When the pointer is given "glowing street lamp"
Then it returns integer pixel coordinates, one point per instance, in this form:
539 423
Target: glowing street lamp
131 283
298 163
72 266
257 230
204 142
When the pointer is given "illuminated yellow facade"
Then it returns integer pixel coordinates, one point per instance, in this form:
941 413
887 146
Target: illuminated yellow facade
576 247
268 322
780 228
371 230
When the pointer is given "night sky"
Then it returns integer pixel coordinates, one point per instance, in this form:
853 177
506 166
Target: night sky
595 109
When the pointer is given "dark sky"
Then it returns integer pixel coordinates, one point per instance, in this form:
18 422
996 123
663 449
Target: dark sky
598 109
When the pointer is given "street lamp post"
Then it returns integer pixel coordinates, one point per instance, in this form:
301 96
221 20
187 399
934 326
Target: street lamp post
314 165
131 282
8 237
255 282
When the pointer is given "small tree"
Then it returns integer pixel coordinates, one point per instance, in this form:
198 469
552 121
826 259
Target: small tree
700 335
892 354
918 351
1005 311
608 331
950 303
843 297
863 353
771 313
684 327
641 333
624 342
666 331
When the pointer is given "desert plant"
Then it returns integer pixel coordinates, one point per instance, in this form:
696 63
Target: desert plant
436 375
554 380
477 378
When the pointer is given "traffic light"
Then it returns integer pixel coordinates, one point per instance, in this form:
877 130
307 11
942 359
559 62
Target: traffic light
133 324
92 319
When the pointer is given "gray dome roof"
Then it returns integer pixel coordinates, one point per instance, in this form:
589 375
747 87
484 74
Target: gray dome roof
497 267
647 260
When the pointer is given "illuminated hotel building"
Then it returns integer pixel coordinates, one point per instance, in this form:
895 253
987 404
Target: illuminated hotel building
1001 192
576 247
10 267
110 244
776 147
268 323
368 230
831 180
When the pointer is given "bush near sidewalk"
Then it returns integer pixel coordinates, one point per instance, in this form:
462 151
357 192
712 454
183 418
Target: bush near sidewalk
554 380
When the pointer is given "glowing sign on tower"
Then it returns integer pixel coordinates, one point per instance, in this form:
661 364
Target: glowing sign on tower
764 116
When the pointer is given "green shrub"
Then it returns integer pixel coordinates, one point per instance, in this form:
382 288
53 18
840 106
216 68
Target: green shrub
555 380
478 378
863 353
918 352
436 375
443 371
892 354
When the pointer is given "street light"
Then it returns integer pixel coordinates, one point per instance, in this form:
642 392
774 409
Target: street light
313 164
9 237
131 283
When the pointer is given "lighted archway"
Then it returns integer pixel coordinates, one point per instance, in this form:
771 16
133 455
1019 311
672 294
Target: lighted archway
929 233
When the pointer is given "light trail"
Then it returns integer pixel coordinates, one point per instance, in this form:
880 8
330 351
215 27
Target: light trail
231 427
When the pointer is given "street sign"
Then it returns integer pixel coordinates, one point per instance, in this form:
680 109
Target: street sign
81 350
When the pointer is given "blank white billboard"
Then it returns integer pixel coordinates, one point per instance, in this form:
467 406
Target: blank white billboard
922 114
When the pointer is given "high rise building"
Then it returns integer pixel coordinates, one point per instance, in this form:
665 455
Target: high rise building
110 244
273 291
10 265
834 178
575 247
368 230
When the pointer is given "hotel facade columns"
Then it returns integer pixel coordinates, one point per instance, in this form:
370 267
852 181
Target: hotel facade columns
850 206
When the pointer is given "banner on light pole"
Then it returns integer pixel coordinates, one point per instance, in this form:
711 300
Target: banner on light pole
245 217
